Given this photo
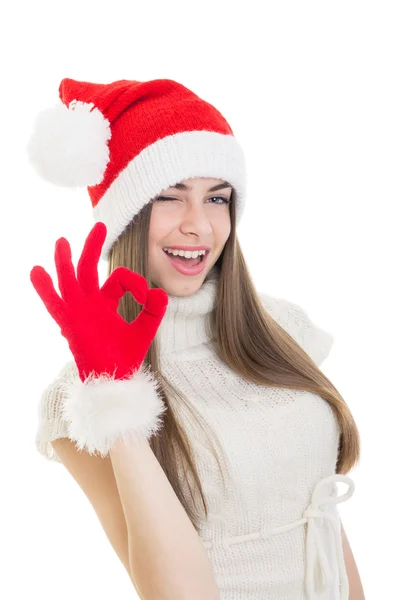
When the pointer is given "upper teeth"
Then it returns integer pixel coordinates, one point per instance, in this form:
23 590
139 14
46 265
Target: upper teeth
185 253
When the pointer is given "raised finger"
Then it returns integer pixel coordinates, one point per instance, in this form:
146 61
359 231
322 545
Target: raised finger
87 269
124 280
67 282
43 284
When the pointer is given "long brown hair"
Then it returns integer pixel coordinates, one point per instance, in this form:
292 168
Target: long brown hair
250 342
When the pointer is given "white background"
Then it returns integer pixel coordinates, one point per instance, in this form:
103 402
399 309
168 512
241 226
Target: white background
311 90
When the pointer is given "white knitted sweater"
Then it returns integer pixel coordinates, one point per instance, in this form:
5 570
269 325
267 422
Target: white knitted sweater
274 531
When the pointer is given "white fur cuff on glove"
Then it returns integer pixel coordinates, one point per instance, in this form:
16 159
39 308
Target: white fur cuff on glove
102 409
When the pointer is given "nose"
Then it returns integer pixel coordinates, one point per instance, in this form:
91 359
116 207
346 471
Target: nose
195 219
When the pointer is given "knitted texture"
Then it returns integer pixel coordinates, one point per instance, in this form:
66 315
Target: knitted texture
52 425
271 532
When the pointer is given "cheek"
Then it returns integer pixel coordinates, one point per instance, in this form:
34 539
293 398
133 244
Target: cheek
224 229
158 229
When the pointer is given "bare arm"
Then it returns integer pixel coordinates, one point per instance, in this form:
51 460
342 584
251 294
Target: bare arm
167 557
94 474
355 586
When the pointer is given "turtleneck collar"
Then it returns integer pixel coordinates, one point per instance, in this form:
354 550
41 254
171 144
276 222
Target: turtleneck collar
186 322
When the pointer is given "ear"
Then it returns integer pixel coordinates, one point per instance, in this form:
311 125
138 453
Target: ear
314 340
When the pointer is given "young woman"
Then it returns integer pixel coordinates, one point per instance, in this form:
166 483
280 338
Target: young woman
194 414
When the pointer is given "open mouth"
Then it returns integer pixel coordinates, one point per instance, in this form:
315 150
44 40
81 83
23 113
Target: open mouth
188 262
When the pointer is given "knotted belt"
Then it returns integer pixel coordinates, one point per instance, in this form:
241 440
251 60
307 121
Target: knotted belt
318 572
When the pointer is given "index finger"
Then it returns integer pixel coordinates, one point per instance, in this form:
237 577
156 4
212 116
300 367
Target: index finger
124 280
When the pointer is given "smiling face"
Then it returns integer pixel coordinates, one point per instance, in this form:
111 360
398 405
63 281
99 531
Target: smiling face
196 213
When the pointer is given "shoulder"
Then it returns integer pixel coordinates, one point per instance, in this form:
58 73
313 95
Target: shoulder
314 340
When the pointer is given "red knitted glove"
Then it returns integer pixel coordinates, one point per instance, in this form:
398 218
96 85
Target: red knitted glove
114 395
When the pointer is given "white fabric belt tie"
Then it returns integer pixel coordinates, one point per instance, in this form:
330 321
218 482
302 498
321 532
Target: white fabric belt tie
318 572
315 555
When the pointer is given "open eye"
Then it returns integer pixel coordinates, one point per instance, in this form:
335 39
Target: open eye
167 198
224 200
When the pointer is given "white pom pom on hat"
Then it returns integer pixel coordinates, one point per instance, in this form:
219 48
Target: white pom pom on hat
69 145
128 140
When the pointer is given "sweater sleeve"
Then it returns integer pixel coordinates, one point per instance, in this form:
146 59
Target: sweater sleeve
314 340
51 423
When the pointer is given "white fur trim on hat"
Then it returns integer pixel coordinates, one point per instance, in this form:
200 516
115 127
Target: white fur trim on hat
101 409
164 163
69 145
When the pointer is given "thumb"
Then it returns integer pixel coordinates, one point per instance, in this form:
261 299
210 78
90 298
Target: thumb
157 302
145 326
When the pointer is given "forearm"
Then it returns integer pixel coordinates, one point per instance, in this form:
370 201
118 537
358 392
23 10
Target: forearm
167 557
356 591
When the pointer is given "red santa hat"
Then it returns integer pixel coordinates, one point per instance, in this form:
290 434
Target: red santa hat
129 140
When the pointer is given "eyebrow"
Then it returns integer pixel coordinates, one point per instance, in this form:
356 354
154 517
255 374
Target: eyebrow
220 186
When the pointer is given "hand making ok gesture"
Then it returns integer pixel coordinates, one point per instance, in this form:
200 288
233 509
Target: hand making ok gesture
99 338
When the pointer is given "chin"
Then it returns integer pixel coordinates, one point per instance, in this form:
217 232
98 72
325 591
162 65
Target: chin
180 285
